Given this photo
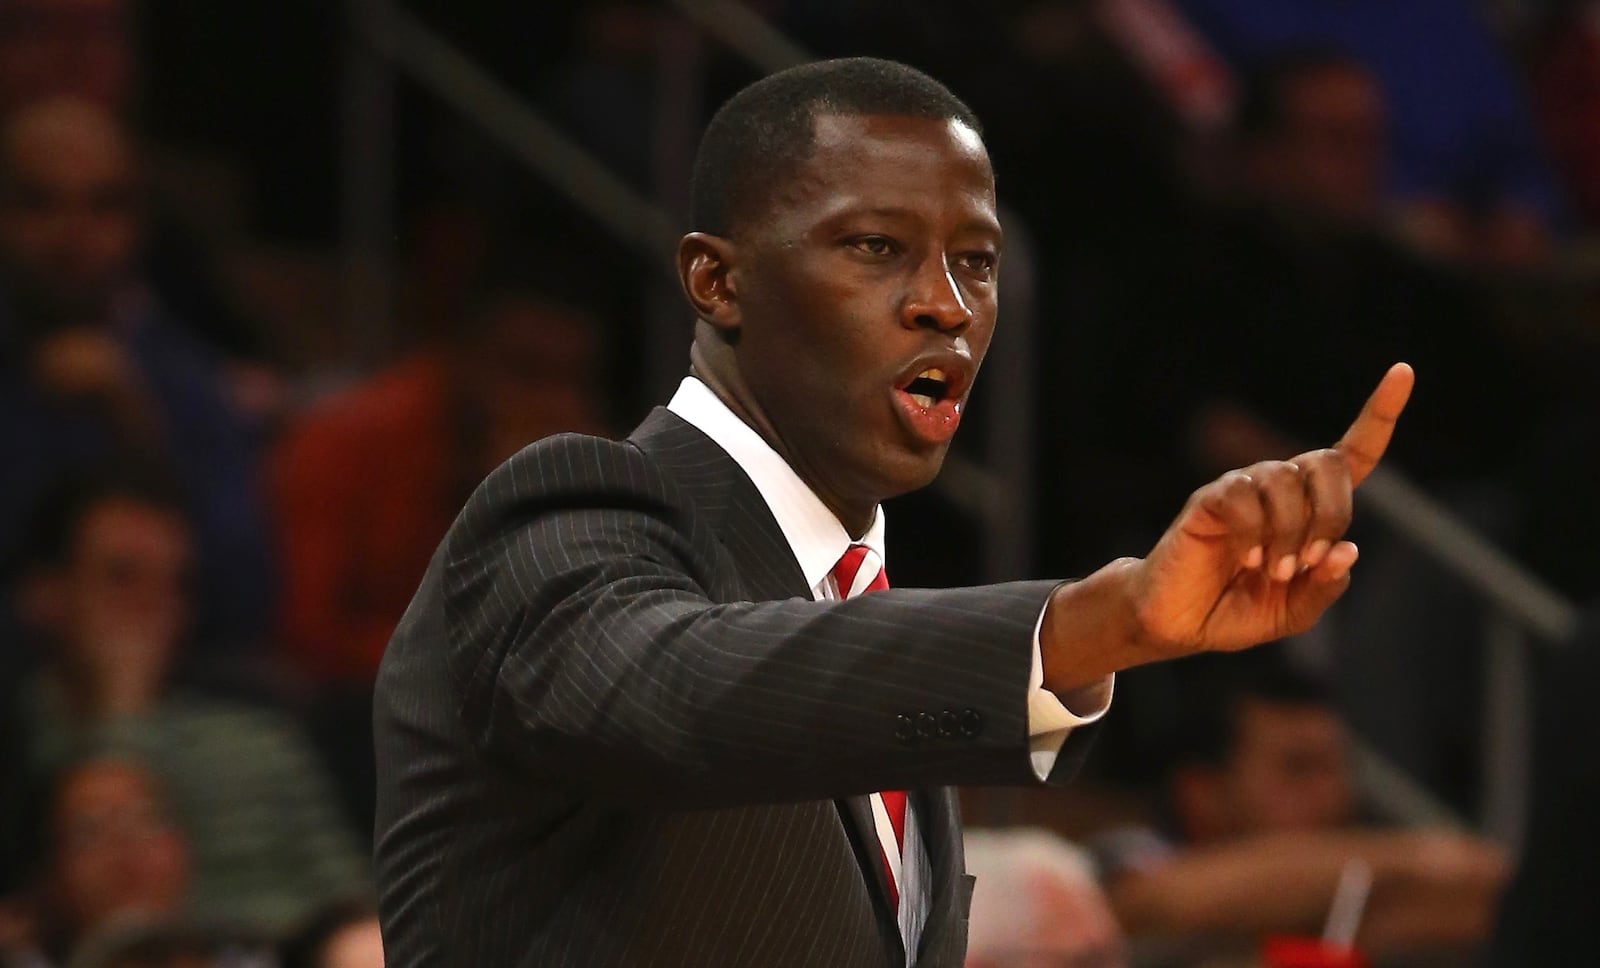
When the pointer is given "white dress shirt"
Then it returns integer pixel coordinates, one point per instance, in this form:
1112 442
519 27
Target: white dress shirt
818 540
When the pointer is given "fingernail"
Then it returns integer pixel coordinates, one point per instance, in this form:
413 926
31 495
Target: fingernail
1284 570
1318 551
1253 557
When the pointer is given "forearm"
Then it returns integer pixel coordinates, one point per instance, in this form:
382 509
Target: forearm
1427 888
661 693
1275 883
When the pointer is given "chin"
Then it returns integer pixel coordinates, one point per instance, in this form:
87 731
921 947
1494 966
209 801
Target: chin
913 471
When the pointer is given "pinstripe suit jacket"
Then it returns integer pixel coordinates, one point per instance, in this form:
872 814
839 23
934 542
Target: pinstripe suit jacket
613 727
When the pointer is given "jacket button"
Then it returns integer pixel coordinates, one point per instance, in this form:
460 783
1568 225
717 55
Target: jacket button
949 724
927 726
971 723
904 729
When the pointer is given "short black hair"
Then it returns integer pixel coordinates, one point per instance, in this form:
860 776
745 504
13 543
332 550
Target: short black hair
60 510
1261 113
1216 687
764 133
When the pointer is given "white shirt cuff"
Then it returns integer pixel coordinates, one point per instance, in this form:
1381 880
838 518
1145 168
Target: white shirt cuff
1052 716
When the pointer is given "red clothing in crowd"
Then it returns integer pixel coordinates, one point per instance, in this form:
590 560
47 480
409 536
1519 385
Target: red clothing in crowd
364 488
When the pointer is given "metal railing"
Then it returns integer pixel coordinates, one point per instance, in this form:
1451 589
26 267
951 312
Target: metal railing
1524 613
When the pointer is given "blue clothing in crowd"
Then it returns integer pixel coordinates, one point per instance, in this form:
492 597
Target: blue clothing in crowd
1460 126
212 450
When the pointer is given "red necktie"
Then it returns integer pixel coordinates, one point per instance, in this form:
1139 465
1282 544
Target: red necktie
858 572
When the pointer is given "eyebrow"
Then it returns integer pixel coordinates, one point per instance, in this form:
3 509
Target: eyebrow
975 224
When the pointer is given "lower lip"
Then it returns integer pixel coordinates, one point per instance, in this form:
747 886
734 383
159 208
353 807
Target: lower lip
934 424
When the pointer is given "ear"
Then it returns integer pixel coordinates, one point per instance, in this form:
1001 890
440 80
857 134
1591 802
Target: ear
705 270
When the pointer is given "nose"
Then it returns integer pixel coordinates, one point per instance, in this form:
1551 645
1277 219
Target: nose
935 300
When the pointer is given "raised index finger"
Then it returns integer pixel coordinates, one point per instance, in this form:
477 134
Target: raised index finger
1366 440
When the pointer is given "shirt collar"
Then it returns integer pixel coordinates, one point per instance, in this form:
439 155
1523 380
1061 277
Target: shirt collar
815 536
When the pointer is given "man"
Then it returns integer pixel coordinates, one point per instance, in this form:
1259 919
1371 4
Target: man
1038 904
1267 823
640 712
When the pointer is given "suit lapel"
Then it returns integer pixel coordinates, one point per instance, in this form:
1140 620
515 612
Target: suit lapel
862 828
728 501
731 503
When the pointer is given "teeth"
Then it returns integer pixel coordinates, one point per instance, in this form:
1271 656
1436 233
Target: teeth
933 373
922 399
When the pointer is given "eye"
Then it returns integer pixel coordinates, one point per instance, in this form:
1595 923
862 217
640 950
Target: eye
980 264
879 246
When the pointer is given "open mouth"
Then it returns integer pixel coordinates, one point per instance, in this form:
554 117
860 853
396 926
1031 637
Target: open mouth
929 395
929 387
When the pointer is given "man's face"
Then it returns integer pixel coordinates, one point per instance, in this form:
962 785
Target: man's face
1333 148
69 221
117 851
1290 768
867 294
529 374
125 585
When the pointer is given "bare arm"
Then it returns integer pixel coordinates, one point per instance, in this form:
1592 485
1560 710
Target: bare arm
1429 889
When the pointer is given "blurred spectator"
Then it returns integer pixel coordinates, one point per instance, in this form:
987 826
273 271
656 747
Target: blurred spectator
1311 138
369 481
1036 904
1264 813
1468 171
106 599
109 851
79 47
93 365
343 936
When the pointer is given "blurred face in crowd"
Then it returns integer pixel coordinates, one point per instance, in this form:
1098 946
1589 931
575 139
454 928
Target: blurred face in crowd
1330 153
69 220
117 851
530 373
854 310
1289 770
121 597
358 945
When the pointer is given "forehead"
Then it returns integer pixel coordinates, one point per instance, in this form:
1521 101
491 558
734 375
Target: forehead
931 165
65 141
118 522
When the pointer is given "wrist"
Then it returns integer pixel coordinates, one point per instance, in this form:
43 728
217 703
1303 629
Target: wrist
1092 628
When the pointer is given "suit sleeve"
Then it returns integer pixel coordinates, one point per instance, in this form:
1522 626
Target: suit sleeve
586 647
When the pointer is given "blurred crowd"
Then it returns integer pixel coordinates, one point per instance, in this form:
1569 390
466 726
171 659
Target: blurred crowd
217 495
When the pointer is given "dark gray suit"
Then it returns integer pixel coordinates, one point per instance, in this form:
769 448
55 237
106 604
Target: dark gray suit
613 728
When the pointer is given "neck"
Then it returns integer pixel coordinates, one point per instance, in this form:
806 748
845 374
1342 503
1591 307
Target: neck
724 381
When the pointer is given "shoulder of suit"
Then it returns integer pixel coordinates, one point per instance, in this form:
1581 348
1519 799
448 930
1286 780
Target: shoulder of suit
574 467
